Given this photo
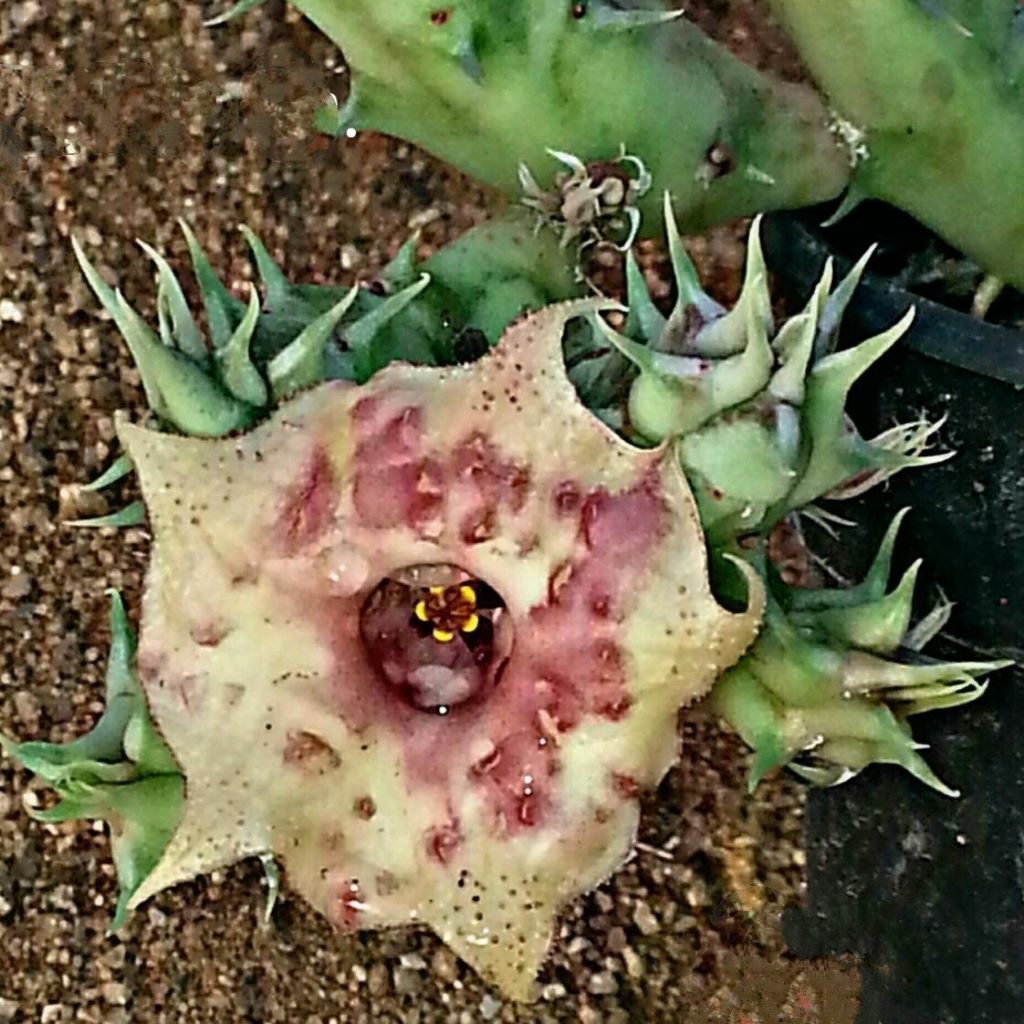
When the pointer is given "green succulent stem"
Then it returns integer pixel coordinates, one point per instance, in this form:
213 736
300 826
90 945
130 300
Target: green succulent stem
826 689
491 84
121 771
296 336
932 88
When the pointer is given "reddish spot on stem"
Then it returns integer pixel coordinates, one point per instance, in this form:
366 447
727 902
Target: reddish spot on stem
208 633
487 482
615 710
567 497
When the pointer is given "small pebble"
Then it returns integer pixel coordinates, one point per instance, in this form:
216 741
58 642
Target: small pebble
115 993
17 586
617 940
351 257
634 965
23 15
27 707
413 962
115 957
489 1007
644 919
10 313
407 983
602 984
378 981
444 965
552 991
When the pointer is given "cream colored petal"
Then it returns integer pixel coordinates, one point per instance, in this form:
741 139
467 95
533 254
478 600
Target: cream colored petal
482 823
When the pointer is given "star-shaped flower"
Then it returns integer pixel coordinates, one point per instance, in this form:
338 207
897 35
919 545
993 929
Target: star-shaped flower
425 640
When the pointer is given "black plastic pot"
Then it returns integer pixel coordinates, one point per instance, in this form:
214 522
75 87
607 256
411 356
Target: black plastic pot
930 891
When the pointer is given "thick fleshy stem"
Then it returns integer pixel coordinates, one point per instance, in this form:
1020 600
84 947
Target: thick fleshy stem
932 91
121 771
830 684
758 411
489 85
296 336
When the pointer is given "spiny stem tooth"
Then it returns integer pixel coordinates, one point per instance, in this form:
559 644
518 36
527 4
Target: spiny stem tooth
832 313
186 334
400 273
688 286
117 470
834 454
300 364
360 335
603 16
866 673
131 515
794 344
223 310
237 370
753 310
921 634
644 320
877 625
275 283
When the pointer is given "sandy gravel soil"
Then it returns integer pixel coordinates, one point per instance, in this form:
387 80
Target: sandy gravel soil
115 118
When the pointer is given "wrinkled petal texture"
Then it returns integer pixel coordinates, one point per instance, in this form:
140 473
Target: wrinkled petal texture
484 822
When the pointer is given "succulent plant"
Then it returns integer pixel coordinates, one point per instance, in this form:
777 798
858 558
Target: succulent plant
423 637
757 415
835 674
490 85
428 658
121 771
298 335
928 117
758 412
437 561
934 107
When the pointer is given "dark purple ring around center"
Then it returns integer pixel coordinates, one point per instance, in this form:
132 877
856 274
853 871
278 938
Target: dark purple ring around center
435 675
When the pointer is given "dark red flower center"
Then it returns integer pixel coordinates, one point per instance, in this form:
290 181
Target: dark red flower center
438 636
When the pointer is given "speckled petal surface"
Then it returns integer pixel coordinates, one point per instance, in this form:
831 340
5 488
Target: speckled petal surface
481 822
